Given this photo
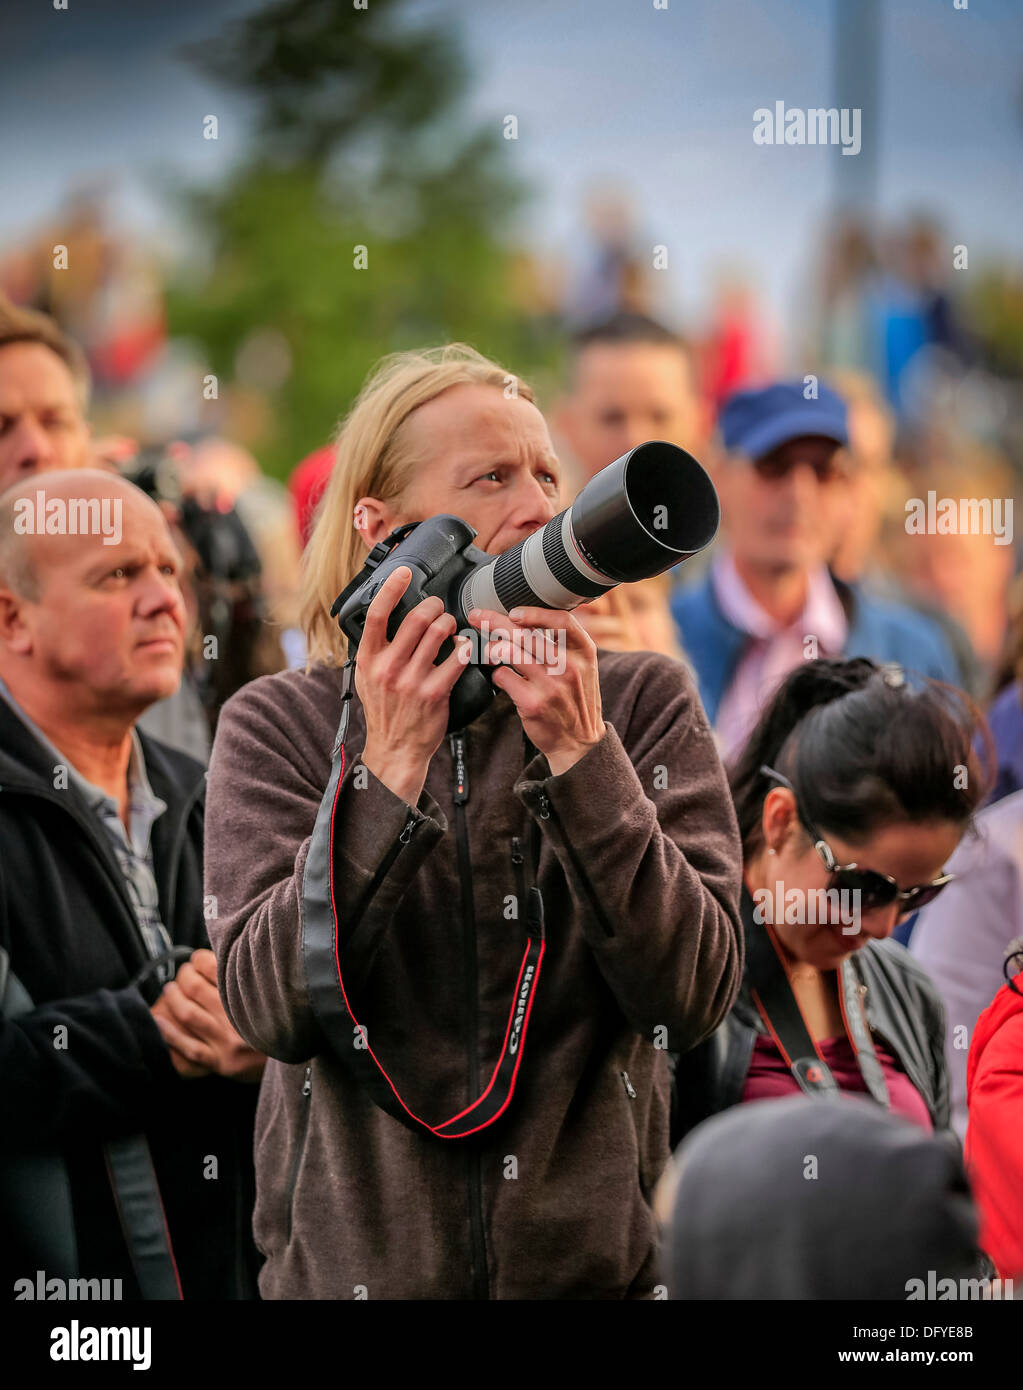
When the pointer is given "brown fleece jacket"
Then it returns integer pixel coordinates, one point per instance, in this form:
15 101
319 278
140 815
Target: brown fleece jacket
640 872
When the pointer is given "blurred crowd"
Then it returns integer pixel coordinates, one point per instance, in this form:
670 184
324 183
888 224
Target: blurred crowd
931 405
898 398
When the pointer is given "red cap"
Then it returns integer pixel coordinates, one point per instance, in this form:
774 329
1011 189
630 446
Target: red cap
306 486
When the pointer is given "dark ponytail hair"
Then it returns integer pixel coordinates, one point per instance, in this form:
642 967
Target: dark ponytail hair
863 749
1012 965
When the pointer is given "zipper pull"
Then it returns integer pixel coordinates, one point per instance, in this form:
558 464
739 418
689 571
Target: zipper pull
630 1090
545 806
307 1084
516 853
461 770
408 828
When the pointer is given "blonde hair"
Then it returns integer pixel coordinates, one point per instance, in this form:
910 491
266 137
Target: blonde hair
373 459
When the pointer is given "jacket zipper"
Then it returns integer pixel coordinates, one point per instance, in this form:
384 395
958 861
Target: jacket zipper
546 812
384 867
358 916
480 1276
296 1156
518 859
630 1090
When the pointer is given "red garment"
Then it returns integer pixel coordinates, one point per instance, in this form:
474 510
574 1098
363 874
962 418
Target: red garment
770 1078
306 486
994 1133
127 354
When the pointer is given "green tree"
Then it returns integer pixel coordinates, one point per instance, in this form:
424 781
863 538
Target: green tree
359 140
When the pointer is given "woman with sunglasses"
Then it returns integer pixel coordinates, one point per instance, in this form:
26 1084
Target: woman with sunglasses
851 794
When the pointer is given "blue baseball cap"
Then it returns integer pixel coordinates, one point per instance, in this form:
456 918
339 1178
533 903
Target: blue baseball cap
756 422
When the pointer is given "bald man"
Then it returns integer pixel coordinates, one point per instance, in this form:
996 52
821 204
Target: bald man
127 1097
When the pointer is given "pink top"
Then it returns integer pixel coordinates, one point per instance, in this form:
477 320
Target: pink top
773 651
769 1078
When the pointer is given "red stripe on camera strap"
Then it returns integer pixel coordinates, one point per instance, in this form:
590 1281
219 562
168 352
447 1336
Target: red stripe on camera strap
349 1038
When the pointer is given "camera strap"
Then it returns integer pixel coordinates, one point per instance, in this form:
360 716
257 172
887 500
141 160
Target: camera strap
331 1002
772 994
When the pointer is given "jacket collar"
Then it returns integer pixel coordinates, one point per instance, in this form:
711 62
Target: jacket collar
848 598
27 764
179 781
823 612
715 645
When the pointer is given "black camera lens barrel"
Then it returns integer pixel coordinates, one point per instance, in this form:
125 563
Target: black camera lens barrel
648 511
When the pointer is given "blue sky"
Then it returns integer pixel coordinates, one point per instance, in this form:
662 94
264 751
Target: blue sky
659 101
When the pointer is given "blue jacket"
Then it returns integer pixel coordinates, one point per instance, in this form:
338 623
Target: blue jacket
881 631
1005 718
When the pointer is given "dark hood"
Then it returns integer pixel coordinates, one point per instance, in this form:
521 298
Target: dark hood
889 1203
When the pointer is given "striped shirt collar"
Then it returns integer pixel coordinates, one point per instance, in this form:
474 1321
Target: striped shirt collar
144 806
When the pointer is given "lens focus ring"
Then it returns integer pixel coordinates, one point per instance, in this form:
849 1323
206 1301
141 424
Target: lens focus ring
511 584
562 568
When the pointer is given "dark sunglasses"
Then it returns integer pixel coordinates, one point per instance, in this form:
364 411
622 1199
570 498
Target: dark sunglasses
875 890
772 467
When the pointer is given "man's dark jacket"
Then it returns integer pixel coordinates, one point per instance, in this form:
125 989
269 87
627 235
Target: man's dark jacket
903 1010
68 928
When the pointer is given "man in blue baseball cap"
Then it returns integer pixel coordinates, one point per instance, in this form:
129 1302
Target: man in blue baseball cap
769 600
